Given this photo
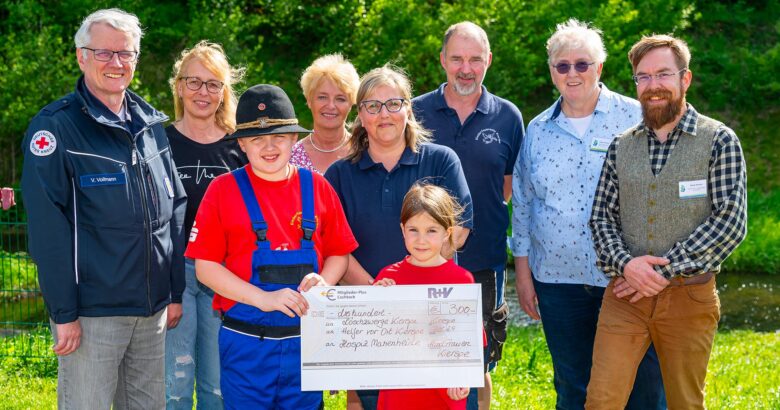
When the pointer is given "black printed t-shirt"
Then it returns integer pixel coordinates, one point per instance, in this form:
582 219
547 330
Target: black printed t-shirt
198 164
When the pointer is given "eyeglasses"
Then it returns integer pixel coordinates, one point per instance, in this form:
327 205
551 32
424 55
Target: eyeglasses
645 79
107 55
195 83
580 66
392 105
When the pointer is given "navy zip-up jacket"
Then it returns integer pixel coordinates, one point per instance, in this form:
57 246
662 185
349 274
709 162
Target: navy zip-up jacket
105 209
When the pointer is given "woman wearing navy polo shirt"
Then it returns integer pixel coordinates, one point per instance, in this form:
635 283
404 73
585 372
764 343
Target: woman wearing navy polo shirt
389 153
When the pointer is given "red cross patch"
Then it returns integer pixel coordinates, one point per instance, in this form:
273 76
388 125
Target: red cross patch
43 143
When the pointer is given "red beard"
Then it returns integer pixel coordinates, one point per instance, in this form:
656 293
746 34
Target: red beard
656 116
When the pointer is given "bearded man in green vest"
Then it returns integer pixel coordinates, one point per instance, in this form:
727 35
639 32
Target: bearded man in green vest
670 207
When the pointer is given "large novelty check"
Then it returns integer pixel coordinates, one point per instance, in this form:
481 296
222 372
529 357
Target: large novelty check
373 337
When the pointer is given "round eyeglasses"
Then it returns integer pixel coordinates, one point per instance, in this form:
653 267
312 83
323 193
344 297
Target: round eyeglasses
195 84
392 105
580 66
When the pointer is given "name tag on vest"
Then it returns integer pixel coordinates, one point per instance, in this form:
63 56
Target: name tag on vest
88 181
693 189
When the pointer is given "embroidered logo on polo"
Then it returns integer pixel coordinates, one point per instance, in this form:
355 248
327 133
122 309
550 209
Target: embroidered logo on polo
296 220
488 136
43 143
93 180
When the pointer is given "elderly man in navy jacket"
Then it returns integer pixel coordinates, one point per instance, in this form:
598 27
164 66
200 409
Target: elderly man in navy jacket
105 212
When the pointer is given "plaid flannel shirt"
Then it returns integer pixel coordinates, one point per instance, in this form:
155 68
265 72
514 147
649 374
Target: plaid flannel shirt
712 241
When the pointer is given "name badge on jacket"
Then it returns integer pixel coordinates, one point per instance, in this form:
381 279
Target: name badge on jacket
93 180
168 187
693 189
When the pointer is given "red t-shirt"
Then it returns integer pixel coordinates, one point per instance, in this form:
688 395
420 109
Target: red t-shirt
223 231
404 273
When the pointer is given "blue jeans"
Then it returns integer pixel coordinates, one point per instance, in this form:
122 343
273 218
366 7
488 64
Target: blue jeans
570 313
191 349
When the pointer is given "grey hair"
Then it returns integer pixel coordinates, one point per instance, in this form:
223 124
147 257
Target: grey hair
116 18
468 29
576 35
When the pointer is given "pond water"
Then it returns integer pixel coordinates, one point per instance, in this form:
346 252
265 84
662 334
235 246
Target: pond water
747 302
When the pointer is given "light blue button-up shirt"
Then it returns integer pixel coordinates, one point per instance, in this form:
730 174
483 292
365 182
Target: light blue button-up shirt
553 184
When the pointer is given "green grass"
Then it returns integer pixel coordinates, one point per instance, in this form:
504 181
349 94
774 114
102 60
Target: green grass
760 252
523 378
742 374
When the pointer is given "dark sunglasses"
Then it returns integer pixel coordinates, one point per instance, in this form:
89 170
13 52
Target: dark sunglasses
580 66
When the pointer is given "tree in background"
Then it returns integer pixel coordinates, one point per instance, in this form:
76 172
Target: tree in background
735 43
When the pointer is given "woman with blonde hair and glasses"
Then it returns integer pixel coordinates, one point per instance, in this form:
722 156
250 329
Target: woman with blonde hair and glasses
330 86
205 106
389 153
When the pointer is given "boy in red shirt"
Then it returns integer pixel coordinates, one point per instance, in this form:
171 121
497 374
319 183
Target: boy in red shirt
263 234
428 217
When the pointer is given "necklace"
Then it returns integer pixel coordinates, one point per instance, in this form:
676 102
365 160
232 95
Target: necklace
327 151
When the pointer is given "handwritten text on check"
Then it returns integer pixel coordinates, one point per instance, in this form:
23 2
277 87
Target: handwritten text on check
372 337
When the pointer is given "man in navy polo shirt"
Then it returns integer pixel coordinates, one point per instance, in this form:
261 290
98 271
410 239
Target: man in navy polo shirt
485 131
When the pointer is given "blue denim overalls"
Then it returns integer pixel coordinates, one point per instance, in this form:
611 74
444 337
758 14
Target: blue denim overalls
260 352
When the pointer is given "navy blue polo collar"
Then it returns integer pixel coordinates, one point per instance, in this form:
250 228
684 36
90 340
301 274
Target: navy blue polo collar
483 105
408 157
601 105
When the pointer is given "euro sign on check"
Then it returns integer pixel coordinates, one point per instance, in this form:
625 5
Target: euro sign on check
396 337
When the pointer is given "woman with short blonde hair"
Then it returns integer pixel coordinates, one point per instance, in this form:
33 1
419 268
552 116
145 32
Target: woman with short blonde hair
330 86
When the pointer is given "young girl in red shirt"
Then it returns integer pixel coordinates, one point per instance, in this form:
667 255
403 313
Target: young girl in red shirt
428 217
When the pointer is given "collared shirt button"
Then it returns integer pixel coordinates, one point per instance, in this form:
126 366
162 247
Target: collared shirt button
650 219
652 186
651 202
650 237
651 253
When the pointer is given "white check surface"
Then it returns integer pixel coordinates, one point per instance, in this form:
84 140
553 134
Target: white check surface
373 337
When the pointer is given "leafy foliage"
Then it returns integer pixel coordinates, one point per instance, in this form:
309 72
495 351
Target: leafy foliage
735 41
736 52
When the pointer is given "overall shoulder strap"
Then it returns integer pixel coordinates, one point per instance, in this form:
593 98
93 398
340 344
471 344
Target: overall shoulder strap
250 202
308 223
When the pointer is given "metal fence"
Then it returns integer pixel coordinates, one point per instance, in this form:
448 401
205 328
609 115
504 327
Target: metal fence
23 318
